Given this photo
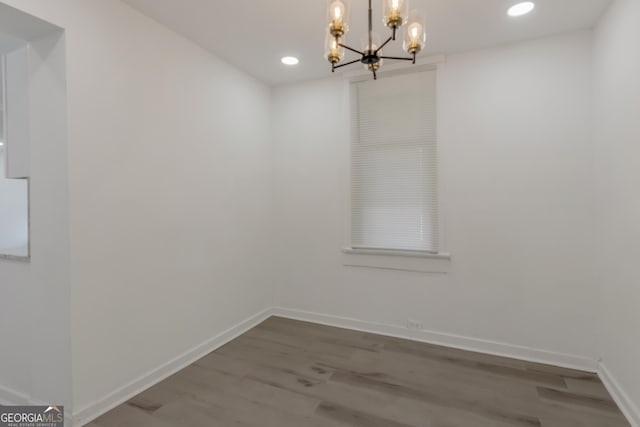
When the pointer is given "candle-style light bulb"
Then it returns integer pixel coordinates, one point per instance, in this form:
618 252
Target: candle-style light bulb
414 36
333 51
394 13
416 31
338 12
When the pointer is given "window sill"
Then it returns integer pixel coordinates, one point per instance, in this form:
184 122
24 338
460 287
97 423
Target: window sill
16 258
423 262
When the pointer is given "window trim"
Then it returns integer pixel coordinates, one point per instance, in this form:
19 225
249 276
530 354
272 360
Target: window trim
396 252
397 260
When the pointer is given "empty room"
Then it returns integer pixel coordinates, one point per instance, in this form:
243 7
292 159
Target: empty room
323 213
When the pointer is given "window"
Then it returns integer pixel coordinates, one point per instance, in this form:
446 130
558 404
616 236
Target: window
394 164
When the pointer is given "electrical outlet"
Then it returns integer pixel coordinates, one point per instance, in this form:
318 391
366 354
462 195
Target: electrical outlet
414 324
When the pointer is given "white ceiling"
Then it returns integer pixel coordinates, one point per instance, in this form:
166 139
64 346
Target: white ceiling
254 34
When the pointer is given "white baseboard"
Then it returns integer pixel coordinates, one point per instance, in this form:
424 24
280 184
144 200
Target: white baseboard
448 340
126 392
626 405
9 397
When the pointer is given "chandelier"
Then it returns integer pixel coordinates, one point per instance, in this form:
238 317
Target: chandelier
394 17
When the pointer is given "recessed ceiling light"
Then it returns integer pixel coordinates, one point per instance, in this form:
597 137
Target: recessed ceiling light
290 60
521 8
1 144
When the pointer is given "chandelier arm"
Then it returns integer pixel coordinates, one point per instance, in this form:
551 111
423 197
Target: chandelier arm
400 58
383 45
351 49
375 76
347 63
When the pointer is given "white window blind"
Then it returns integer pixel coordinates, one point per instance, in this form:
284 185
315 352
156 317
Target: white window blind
394 200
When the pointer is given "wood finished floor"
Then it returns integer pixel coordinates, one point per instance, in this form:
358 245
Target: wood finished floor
286 373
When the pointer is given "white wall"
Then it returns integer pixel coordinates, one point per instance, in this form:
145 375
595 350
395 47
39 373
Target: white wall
170 193
48 296
518 190
618 174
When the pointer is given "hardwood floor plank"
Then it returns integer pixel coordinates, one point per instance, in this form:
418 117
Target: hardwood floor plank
233 409
226 365
462 359
190 382
588 388
275 397
276 355
427 374
563 372
285 379
188 412
398 390
406 411
388 343
357 418
127 416
581 401
554 415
